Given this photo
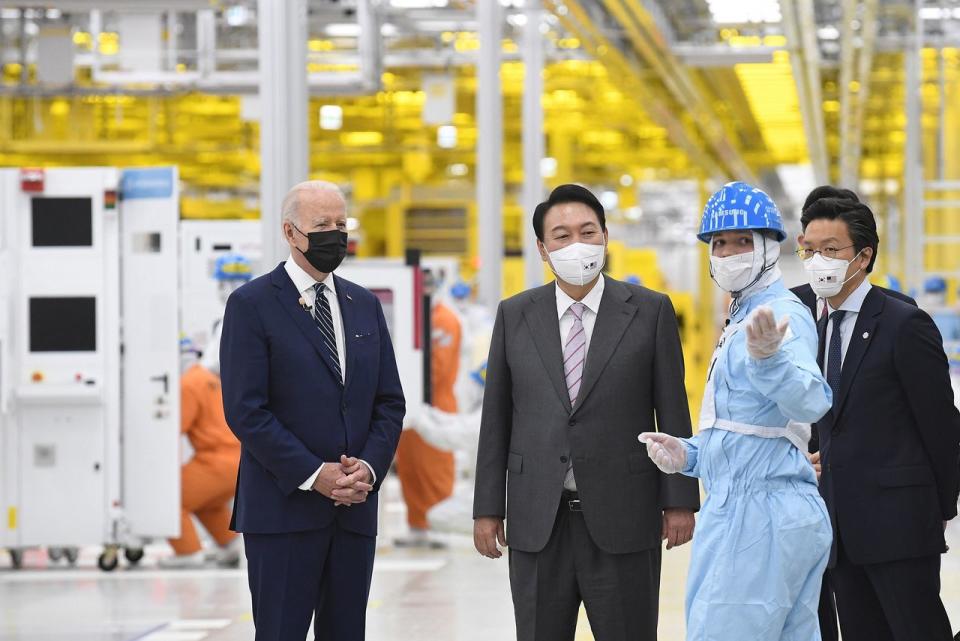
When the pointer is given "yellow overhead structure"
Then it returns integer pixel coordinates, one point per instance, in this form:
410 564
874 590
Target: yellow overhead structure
771 92
799 27
649 43
576 20
856 61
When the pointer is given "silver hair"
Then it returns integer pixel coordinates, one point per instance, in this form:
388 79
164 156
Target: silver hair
291 202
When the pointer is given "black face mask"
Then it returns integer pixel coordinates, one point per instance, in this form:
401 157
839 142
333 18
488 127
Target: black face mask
326 249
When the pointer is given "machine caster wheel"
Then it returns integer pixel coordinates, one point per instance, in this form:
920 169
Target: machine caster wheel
133 555
71 555
16 559
55 554
108 561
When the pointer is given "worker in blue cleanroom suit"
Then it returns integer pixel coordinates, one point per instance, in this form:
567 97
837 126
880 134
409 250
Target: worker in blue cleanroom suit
763 536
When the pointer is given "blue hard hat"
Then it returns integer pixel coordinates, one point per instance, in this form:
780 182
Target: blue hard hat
187 346
634 280
738 206
479 375
233 267
892 282
935 285
460 290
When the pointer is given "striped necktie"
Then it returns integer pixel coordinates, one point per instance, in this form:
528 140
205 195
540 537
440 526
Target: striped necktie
324 319
575 353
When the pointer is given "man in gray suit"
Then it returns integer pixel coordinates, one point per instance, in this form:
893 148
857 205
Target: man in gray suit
576 370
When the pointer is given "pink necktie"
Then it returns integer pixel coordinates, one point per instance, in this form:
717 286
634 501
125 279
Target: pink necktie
575 353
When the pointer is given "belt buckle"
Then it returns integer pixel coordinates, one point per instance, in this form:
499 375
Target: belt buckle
574 505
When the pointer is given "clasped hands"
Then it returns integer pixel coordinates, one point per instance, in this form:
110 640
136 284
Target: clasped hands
346 482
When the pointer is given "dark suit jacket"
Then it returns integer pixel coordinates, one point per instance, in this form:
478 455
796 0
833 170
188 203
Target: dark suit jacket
633 381
807 297
283 401
890 444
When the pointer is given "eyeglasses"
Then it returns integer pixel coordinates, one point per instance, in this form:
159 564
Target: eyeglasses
805 253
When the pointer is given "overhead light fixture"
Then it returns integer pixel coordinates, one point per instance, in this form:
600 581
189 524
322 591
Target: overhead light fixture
446 137
828 33
939 13
343 30
237 15
626 180
418 4
548 167
517 19
609 199
458 169
331 117
739 12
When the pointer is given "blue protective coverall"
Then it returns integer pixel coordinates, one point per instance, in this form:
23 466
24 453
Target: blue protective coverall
763 536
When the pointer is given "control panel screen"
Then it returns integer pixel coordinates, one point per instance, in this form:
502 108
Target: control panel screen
62 222
63 324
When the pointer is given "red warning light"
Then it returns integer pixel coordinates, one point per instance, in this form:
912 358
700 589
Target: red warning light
31 180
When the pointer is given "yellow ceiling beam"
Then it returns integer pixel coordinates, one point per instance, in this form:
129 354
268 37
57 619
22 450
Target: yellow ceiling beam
800 29
649 43
576 21
856 61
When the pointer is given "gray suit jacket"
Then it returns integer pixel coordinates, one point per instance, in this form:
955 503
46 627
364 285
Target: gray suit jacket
633 380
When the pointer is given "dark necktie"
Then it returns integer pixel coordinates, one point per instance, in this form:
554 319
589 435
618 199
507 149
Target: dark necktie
324 319
834 356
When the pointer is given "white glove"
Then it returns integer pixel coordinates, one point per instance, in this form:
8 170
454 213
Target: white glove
666 452
414 416
764 334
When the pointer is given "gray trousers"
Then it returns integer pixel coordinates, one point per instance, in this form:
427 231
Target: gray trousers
620 592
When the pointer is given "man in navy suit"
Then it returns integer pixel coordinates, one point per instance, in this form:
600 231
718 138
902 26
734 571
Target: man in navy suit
828 608
310 388
890 444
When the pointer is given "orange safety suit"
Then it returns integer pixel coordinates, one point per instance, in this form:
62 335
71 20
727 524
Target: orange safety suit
427 473
209 478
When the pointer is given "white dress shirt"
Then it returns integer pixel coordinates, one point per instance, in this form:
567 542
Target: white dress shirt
591 304
852 308
304 284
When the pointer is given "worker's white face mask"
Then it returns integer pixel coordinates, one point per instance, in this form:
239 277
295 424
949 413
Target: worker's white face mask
732 273
827 276
579 263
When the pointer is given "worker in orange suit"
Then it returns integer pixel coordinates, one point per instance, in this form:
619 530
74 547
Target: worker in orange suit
427 473
209 478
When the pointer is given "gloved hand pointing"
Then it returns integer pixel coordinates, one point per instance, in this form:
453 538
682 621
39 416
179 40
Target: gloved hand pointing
666 452
764 334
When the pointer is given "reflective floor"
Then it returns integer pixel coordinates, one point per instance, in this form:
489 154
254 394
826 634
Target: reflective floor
449 595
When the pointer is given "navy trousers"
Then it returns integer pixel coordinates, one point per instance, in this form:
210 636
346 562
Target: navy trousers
322 575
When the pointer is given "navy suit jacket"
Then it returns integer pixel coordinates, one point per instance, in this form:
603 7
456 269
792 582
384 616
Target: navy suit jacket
890 444
284 402
807 297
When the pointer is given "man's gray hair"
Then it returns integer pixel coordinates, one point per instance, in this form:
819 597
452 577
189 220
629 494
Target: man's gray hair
291 201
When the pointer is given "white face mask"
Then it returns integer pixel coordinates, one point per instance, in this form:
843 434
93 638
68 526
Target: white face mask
579 263
827 275
732 273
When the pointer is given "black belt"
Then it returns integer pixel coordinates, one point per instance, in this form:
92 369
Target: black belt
572 500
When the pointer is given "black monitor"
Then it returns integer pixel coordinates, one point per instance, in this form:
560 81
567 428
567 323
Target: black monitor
62 222
63 324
